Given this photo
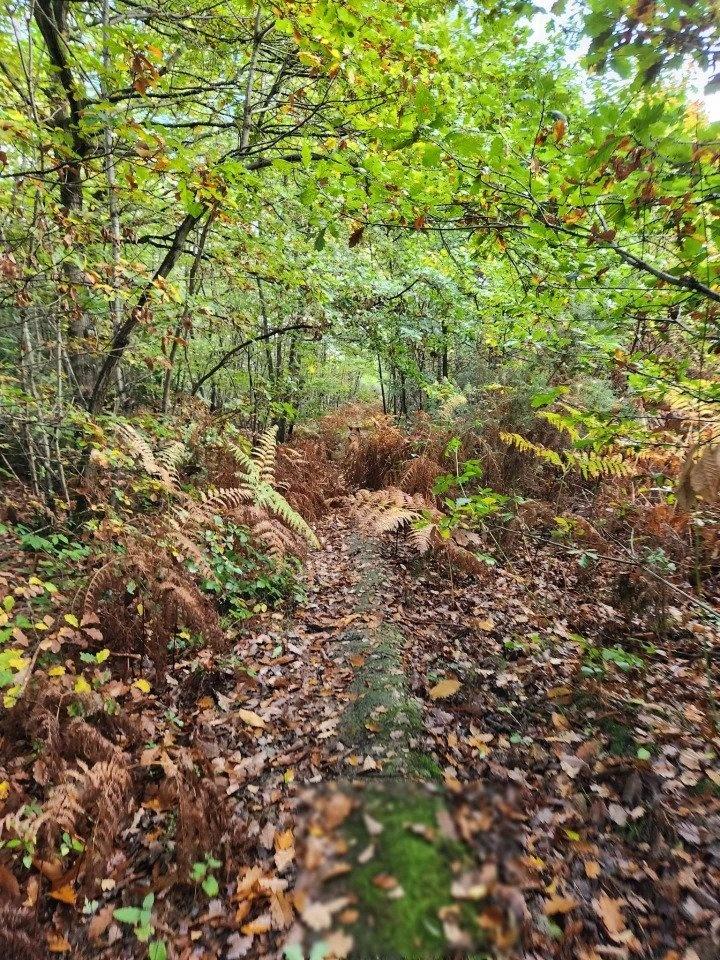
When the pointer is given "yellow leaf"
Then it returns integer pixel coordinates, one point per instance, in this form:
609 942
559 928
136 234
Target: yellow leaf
251 718
4 789
446 688
81 685
64 893
101 656
56 671
143 685
284 840
71 619
57 943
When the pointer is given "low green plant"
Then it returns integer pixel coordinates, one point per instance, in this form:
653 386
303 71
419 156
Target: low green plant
471 505
140 919
203 873
597 660
246 580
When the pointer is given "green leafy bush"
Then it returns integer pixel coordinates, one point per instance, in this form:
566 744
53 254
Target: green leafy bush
245 579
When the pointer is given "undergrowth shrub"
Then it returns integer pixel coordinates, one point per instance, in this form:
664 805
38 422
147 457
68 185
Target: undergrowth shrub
145 593
245 579
426 528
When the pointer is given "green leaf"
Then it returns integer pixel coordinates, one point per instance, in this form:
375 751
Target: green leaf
131 915
157 950
210 886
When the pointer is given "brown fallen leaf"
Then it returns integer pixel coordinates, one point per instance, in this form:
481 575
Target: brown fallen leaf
267 835
559 721
32 891
284 840
339 944
558 904
281 910
571 765
373 827
336 810
316 915
57 943
610 912
384 881
51 869
592 869
99 923
64 893
8 884
251 718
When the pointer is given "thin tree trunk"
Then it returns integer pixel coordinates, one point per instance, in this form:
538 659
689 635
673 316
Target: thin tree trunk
116 304
193 279
382 384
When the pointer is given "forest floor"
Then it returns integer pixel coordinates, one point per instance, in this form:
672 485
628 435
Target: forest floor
415 766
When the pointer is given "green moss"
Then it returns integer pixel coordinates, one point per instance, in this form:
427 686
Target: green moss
383 703
621 739
705 787
424 766
408 926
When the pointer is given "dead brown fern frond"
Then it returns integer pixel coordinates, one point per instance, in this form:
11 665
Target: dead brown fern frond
393 511
143 622
20 936
202 809
161 466
61 813
419 476
388 510
308 476
374 456
461 558
108 794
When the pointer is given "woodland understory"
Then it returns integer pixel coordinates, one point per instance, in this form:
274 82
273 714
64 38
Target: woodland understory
360 465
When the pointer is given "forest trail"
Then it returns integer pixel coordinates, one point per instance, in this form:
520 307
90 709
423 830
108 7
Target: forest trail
449 789
411 762
360 480
390 861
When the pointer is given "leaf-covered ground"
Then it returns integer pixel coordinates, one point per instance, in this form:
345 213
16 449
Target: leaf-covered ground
411 765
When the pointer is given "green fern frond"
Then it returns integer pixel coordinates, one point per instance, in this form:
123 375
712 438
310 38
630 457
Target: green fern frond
526 446
161 466
592 466
561 423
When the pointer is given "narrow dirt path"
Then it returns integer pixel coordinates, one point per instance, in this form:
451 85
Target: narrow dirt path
517 808
376 848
